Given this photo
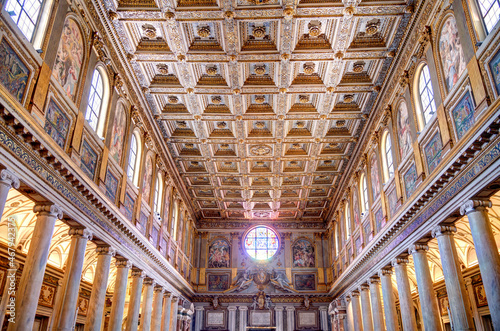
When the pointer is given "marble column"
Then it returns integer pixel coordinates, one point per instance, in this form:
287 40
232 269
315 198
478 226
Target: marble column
390 313
430 309
278 311
174 312
366 309
232 318
119 293
10 284
8 180
157 309
486 252
376 303
404 292
65 317
243 317
357 322
350 317
98 295
290 318
198 318
460 310
165 316
323 316
147 304
134 303
34 267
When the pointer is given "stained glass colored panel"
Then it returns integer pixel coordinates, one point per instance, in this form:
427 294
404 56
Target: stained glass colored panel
261 243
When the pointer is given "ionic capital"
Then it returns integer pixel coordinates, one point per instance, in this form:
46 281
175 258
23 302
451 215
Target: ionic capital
373 280
166 294
399 262
240 308
363 287
159 289
149 282
442 230
175 299
122 263
416 248
105 250
290 308
232 308
9 178
81 232
354 294
48 208
137 273
474 205
385 272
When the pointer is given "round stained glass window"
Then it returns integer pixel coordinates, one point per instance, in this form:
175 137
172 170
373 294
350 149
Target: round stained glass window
261 243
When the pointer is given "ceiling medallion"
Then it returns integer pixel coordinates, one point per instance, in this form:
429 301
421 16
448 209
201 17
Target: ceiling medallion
314 28
162 69
173 99
260 125
182 124
221 125
260 150
358 67
260 70
211 70
348 98
204 31
340 123
288 12
149 31
259 32
189 145
303 98
216 100
259 163
224 147
309 68
300 125
260 99
295 145
261 214
371 28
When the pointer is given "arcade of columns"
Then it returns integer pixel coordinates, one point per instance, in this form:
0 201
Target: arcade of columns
155 309
373 307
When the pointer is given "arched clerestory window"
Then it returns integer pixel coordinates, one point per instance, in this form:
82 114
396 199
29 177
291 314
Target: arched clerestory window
425 105
387 159
98 101
134 158
31 17
347 221
158 193
363 193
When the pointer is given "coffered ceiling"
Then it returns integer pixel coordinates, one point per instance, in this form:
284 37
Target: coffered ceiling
260 102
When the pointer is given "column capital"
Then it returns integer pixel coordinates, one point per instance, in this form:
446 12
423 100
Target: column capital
199 308
363 287
48 208
418 248
373 280
288 235
399 261
474 204
290 308
234 235
232 308
278 308
175 299
241 307
80 232
354 294
385 272
149 282
167 294
323 308
123 263
137 273
442 230
105 250
9 178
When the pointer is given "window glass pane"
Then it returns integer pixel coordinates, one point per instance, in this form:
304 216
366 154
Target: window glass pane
261 243
490 11
95 100
426 94
132 158
25 14
388 156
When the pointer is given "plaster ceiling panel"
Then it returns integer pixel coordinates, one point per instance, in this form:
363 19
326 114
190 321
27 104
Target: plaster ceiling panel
314 34
204 37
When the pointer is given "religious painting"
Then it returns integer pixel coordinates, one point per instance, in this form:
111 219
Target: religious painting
14 73
88 159
463 115
480 296
142 223
375 179
218 254
69 57
166 209
218 282
305 282
56 123
111 186
410 180
451 53
146 181
355 207
433 151
358 244
303 254
403 124
379 218
128 205
393 203
118 134
495 71
367 231
154 235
